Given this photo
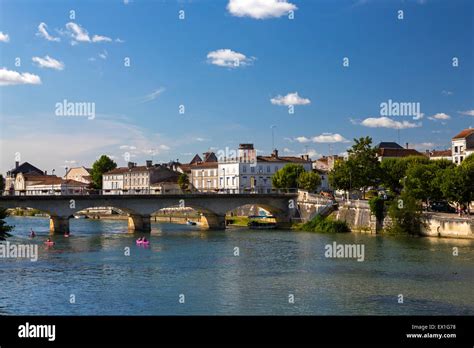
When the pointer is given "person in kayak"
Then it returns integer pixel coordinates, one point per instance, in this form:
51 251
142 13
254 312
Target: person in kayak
32 234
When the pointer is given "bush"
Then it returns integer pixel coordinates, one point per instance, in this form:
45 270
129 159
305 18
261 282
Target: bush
376 205
406 214
325 225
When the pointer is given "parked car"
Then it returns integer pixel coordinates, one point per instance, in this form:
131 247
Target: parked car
441 207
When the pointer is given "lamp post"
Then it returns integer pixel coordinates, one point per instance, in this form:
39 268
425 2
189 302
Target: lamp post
52 183
65 178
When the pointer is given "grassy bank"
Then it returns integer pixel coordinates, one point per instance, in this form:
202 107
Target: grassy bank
324 225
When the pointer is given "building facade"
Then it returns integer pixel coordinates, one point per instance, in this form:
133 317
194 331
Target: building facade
462 145
81 174
248 172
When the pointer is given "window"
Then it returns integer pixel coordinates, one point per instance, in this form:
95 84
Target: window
276 168
455 149
252 169
244 169
268 169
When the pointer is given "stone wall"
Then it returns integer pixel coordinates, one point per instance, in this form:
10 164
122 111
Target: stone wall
452 226
357 215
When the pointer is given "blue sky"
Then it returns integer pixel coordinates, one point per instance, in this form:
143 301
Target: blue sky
177 62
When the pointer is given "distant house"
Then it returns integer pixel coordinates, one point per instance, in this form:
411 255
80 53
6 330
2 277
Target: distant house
35 184
394 150
204 174
248 172
81 174
135 179
326 163
438 155
24 168
462 145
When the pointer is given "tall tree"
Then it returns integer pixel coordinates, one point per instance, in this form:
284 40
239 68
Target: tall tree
4 228
362 168
101 166
287 177
423 181
309 181
183 181
2 184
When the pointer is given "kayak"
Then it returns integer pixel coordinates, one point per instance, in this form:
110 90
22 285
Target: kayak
49 243
140 242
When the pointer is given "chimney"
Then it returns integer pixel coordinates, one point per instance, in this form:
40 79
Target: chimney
406 145
130 165
149 163
275 153
17 164
305 157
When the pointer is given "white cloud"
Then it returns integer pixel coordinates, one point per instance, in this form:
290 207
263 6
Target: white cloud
127 147
323 138
119 40
10 77
42 32
260 9
439 116
290 99
467 112
103 55
4 37
329 138
312 153
80 34
77 32
48 62
287 150
225 57
302 140
153 95
419 116
100 38
385 122
444 92
424 146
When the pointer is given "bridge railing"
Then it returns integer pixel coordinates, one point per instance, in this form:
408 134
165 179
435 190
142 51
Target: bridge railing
146 191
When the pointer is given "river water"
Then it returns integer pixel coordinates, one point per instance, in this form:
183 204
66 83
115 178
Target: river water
91 268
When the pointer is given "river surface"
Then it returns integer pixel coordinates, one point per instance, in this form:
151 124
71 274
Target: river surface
91 267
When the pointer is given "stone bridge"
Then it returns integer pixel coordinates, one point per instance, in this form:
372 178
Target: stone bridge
138 208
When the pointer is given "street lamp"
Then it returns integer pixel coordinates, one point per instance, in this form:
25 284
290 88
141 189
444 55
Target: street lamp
52 183
65 178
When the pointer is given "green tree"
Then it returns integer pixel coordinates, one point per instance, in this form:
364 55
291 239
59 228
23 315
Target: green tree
4 228
423 181
101 166
361 170
183 181
2 184
287 177
309 181
392 173
406 214
457 184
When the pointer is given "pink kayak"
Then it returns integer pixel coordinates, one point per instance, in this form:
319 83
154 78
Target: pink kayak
49 243
140 242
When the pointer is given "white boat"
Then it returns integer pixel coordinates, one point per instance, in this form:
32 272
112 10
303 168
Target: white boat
79 216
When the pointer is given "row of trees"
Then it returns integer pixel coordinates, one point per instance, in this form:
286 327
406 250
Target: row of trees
417 176
293 176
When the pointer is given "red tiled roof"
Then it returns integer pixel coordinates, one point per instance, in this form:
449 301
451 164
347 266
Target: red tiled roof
282 159
464 133
441 153
203 165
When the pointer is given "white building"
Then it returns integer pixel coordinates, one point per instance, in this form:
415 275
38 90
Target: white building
113 181
247 172
462 145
